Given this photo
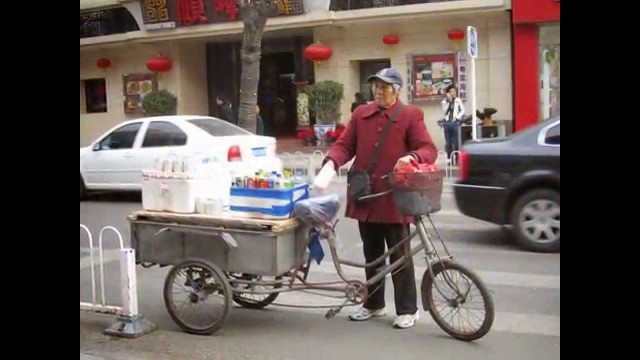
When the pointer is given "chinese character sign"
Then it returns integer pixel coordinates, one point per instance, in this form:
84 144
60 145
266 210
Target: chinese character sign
155 11
191 12
230 7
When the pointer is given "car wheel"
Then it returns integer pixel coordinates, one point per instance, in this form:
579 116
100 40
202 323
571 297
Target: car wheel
83 190
535 217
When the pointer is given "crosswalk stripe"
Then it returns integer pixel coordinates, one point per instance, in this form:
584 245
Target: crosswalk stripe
517 323
491 278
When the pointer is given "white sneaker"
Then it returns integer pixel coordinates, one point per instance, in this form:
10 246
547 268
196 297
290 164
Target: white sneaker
363 314
406 321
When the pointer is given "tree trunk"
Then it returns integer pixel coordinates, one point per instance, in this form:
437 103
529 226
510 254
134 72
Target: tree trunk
254 23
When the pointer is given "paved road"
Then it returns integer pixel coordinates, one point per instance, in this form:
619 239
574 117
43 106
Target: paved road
525 286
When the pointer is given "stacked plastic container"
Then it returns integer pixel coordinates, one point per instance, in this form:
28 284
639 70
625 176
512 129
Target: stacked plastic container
179 184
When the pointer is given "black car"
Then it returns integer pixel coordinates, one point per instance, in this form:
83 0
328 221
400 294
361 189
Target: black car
516 181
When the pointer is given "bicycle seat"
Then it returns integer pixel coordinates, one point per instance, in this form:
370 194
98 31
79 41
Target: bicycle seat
318 210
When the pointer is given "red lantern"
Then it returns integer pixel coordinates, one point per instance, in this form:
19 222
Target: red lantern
456 34
390 39
103 63
159 64
318 52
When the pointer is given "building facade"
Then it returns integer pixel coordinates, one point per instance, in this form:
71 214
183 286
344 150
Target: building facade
536 60
119 38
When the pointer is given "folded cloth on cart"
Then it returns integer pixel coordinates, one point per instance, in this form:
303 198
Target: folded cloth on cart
318 210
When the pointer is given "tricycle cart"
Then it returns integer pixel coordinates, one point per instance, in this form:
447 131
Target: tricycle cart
217 260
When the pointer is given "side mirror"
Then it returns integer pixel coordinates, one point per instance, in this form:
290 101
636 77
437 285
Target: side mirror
96 147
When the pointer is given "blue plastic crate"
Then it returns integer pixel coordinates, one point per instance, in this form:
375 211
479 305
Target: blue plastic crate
266 203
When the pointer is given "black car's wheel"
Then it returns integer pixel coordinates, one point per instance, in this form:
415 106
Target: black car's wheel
83 190
535 217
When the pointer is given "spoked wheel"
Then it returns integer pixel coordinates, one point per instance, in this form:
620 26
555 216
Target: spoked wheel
198 296
458 301
253 301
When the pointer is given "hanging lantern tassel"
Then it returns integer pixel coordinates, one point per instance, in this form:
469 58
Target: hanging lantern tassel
390 41
457 37
458 44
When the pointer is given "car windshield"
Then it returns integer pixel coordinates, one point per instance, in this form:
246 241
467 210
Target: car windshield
217 127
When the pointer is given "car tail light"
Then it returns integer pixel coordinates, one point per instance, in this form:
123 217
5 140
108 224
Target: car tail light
464 165
234 154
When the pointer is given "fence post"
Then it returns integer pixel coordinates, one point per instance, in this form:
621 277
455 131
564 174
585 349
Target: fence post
130 323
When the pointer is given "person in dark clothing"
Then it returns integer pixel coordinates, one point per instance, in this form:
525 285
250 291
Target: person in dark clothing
359 101
259 122
226 110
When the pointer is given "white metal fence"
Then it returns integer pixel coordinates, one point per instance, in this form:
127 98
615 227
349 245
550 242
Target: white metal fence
308 165
130 322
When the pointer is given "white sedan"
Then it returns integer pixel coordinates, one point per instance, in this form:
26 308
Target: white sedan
115 160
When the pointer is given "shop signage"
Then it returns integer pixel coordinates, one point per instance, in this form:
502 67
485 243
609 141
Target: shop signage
163 14
472 42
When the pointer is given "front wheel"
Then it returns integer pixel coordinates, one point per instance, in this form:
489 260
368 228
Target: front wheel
458 300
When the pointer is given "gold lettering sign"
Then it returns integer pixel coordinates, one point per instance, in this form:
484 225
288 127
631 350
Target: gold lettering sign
155 11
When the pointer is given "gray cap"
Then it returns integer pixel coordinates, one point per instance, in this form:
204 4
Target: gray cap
388 75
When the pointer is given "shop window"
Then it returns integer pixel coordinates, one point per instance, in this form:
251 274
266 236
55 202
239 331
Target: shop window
95 92
549 71
106 22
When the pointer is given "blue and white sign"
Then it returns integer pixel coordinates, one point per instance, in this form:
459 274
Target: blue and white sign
472 42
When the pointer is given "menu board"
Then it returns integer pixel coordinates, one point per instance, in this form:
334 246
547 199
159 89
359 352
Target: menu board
431 75
136 86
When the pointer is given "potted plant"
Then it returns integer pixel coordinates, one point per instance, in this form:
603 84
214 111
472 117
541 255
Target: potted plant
307 136
486 115
158 103
325 98
334 135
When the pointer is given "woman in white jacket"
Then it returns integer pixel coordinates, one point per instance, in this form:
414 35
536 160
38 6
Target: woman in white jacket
453 110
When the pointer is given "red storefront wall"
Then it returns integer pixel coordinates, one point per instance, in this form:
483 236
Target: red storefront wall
526 16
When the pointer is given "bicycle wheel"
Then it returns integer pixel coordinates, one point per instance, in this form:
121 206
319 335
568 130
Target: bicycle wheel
253 301
197 295
456 292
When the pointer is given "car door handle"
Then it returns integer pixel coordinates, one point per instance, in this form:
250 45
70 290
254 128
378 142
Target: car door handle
127 156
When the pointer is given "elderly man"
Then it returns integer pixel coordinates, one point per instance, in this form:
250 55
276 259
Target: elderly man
400 133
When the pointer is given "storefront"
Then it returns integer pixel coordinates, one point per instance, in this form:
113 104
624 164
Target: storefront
113 82
536 60
431 56
197 47
202 43
282 65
